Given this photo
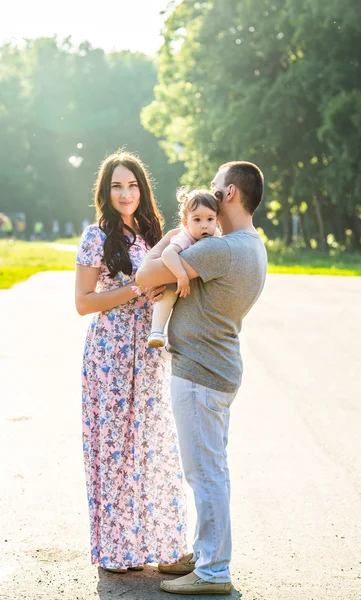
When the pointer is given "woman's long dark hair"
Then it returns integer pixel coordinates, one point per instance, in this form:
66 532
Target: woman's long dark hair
147 216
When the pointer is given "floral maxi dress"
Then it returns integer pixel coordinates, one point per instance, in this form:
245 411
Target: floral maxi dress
134 482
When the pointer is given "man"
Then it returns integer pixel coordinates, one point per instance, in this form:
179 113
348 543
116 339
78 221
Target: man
227 276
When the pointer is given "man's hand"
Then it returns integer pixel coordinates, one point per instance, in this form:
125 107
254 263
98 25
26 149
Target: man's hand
155 293
152 269
172 232
183 287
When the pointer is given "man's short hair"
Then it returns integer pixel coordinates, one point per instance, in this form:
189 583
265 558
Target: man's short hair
248 178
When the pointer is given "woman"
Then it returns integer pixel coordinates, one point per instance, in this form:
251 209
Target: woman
134 482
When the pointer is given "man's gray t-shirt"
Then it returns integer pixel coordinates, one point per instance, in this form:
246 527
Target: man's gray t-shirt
204 327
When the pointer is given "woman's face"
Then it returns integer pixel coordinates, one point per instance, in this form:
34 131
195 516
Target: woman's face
124 193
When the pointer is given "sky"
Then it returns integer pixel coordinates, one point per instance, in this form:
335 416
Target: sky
110 24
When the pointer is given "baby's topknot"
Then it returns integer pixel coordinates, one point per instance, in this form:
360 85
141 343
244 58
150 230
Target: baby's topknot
189 200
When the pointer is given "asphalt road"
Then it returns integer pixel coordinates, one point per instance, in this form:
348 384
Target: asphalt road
295 448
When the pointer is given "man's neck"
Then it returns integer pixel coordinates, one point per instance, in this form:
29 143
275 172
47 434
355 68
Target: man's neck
230 223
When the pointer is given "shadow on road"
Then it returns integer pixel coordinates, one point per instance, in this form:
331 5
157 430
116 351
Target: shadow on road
142 585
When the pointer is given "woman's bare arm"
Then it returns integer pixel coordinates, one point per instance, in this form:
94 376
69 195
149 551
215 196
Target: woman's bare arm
87 300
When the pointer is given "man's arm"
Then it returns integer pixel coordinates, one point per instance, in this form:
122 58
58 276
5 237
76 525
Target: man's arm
153 272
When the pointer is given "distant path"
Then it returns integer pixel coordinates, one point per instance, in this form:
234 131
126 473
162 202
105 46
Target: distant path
64 247
294 447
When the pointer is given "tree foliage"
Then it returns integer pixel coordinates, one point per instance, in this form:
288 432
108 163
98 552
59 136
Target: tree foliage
277 82
59 101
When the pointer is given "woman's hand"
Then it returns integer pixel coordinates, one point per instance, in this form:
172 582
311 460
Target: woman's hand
155 293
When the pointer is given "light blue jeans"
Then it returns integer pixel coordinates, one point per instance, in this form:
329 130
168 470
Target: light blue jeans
202 420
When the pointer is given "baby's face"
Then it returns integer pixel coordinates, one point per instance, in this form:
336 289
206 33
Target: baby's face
201 222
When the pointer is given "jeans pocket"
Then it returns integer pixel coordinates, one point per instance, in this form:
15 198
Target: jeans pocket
219 401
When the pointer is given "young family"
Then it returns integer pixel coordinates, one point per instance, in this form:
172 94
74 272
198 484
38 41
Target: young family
137 443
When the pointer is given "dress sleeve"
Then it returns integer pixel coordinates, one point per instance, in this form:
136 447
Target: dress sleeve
91 247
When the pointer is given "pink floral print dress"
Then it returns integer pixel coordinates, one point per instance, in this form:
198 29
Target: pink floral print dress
134 481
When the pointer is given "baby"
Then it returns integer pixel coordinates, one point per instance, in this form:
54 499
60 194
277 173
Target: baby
198 212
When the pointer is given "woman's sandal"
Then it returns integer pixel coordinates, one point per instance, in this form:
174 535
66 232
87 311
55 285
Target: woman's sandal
140 568
115 570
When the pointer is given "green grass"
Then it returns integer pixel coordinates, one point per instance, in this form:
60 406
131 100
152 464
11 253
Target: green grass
20 260
310 270
307 262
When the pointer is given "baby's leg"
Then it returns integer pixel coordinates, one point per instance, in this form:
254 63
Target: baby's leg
161 314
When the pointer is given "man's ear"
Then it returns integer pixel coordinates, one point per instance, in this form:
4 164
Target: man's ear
231 192
185 223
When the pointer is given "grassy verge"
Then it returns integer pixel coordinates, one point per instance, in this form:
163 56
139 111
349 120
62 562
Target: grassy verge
20 260
310 270
299 261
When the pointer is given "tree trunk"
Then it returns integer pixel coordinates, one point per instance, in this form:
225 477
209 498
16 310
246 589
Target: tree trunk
319 220
304 230
287 218
356 228
336 227
353 223
287 225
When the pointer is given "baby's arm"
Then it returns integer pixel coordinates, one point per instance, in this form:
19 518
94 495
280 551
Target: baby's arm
173 262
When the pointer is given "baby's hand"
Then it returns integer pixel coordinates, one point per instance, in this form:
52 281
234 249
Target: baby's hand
183 288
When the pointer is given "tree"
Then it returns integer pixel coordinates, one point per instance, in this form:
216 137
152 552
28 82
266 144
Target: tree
62 109
276 83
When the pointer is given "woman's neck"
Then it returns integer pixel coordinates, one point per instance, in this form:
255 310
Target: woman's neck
129 221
